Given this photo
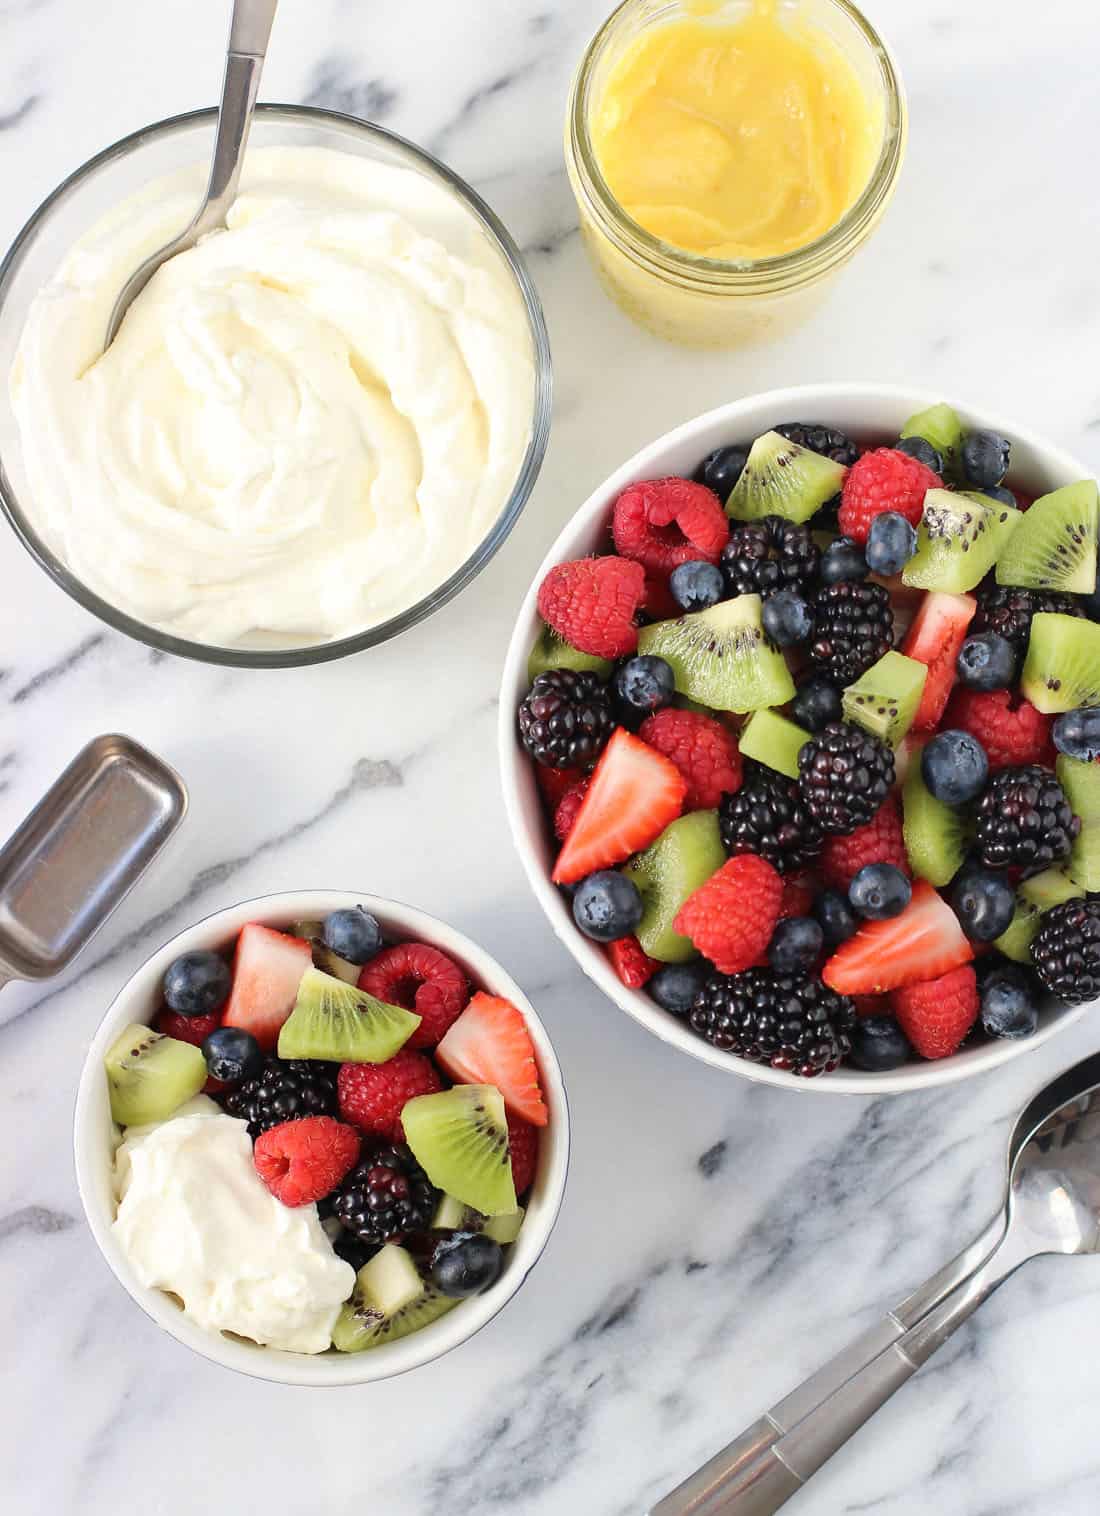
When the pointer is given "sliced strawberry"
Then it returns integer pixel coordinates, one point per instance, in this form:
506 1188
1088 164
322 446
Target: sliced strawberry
934 639
922 943
267 971
633 795
490 1044
631 962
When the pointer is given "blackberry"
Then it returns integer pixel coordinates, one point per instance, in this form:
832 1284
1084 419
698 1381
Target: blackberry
853 628
767 817
844 775
771 554
566 719
1023 820
386 1196
284 1091
789 1021
1066 951
1007 610
825 440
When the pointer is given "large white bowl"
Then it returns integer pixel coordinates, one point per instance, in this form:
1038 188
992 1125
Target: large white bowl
94 1142
867 411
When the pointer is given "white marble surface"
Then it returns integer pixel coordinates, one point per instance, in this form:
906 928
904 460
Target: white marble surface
717 1240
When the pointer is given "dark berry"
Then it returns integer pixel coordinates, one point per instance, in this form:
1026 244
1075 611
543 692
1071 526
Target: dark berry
879 891
232 1054
985 903
838 920
566 719
923 452
878 1044
789 1022
891 543
843 562
721 469
954 767
986 661
816 704
1024 820
284 1091
197 984
1066 951
1008 610
386 1196
466 1263
696 586
844 775
1008 1006
1077 734
999 493
762 557
767 816
825 440
984 457
643 685
352 934
786 618
853 628
607 906
796 945
675 987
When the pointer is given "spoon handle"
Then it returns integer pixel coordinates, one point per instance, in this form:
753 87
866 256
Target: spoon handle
249 32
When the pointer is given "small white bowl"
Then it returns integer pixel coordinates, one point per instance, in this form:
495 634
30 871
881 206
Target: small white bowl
866 411
94 1138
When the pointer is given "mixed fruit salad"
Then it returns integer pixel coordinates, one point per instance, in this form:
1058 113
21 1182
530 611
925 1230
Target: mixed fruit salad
360 1120
817 737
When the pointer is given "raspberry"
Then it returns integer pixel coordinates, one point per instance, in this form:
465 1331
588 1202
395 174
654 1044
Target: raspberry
631 962
555 782
879 841
523 1143
193 1029
937 1016
373 1095
591 604
662 523
422 979
701 748
658 603
798 896
731 917
302 1161
883 480
565 812
1009 727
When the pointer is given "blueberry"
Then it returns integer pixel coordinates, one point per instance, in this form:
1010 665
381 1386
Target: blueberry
675 987
1077 734
954 767
843 562
696 586
998 492
607 906
197 984
721 469
984 458
1008 1009
796 945
466 1263
879 890
838 920
352 934
923 452
986 661
891 543
984 902
786 618
232 1054
878 1044
816 704
644 685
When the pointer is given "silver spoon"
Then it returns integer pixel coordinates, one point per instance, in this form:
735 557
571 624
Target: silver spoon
249 32
1052 1205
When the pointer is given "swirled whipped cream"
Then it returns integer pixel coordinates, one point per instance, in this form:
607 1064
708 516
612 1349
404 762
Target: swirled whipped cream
305 424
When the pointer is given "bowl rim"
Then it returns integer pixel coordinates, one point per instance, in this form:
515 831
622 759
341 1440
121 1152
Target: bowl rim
526 476
134 1002
517 781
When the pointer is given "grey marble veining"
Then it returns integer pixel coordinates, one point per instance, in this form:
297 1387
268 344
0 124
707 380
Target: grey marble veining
718 1240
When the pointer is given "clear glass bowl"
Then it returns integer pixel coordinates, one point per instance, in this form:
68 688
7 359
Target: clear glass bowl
121 170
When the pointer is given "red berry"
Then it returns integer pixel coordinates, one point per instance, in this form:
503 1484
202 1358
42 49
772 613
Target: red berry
798 896
303 1161
490 1044
936 1015
591 603
567 808
731 917
871 1005
193 1029
632 796
883 480
883 955
662 523
555 782
631 962
523 1143
267 970
1009 727
422 979
373 1095
702 749
934 638
879 841
658 603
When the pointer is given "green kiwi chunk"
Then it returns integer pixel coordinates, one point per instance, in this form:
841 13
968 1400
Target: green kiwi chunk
505 1229
460 1139
721 657
783 479
1054 547
552 652
885 699
959 539
389 1301
684 856
452 1216
335 1021
1062 667
1081 782
149 1075
940 426
775 740
935 841
1034 896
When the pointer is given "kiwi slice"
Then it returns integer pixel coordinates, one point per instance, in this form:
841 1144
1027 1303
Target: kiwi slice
149 1075
721 657
959 539
335 1021
774 740
505 1229
1054 547
885 699
684 856
389 1301
452 1216
935 841
552 652
940 426
460 1139
1081 782
783 479
1034 896
1062 667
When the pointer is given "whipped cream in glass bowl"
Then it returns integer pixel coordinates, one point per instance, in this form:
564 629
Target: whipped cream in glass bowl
312 429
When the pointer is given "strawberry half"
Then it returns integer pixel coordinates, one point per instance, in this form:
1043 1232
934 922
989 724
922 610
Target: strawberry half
922 943
937 633
267 971
490 1044
632 796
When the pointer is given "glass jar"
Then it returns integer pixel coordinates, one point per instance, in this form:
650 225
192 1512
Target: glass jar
709 302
